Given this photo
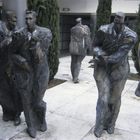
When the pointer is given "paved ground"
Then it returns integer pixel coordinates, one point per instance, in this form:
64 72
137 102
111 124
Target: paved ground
71 110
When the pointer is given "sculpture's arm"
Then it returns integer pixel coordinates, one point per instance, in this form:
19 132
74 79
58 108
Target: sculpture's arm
97 44
21 62
128 44
5 42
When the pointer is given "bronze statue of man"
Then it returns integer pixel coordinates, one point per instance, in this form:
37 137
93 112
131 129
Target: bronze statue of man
80 41
30 71
111 47
9 99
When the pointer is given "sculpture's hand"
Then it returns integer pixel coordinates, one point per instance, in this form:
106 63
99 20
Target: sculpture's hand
37 52
97 51
25 66
33 40
6 42
103 60
16 36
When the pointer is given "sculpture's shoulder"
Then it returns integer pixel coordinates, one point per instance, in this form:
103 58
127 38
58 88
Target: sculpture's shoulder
86 27
22 30
43 30
129 33
1 25
44 33
80 30
74 28
106 28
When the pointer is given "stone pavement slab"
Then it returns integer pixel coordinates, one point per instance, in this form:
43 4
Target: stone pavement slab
71 110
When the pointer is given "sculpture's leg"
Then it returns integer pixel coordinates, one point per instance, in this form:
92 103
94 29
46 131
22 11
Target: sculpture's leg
103 85
7 115
18 107
73 65
76 66
118 77
28 112
23 84
115 103
39 104
40 109
137 92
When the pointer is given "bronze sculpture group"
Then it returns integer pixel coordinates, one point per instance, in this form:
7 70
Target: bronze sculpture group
79 43
24 72
111 46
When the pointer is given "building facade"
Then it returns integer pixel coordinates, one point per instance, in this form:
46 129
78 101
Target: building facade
71 9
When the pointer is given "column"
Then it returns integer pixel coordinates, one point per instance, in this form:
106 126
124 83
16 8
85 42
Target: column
19 6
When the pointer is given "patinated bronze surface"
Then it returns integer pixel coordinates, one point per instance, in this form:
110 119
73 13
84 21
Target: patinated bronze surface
111 47
30 71
9 98
80 41
25 72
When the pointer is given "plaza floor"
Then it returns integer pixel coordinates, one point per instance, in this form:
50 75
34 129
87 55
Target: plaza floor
71 110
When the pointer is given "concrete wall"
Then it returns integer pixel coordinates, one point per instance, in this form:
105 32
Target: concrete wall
127 6
78 6
19 6
90 6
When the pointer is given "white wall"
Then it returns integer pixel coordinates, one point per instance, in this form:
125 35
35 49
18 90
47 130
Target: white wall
126 6
90 6
78 6
19 6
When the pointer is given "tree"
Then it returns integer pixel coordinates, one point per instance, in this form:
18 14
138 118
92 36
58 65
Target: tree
48 16
103 12
135 57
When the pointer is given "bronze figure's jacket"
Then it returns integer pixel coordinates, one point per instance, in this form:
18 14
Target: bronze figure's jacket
116 47
80 39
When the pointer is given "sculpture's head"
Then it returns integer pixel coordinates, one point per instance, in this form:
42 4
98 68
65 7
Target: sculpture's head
30 19
79 20
10 19
119 18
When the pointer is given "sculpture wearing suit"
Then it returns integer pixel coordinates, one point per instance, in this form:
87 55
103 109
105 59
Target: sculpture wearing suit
111 47
137 92
30 71
9 98
80 41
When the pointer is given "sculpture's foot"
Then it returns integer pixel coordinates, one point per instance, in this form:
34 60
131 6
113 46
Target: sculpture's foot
98 131
75 81
110 129
43 127
7 118
31 132
17 121
137 93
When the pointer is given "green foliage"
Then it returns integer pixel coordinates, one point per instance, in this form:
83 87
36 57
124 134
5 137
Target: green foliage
135 49
138 23
103 12
48 16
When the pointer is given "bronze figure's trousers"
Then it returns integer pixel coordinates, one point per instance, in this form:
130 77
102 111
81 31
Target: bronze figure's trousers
110 83
76 61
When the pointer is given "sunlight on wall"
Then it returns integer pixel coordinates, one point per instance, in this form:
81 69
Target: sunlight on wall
90 6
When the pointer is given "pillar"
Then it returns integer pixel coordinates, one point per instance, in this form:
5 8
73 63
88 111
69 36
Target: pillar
19 6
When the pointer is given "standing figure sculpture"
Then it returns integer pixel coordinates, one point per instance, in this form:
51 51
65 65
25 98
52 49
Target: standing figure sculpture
30 71
137 92
80 41
112 44
8 97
